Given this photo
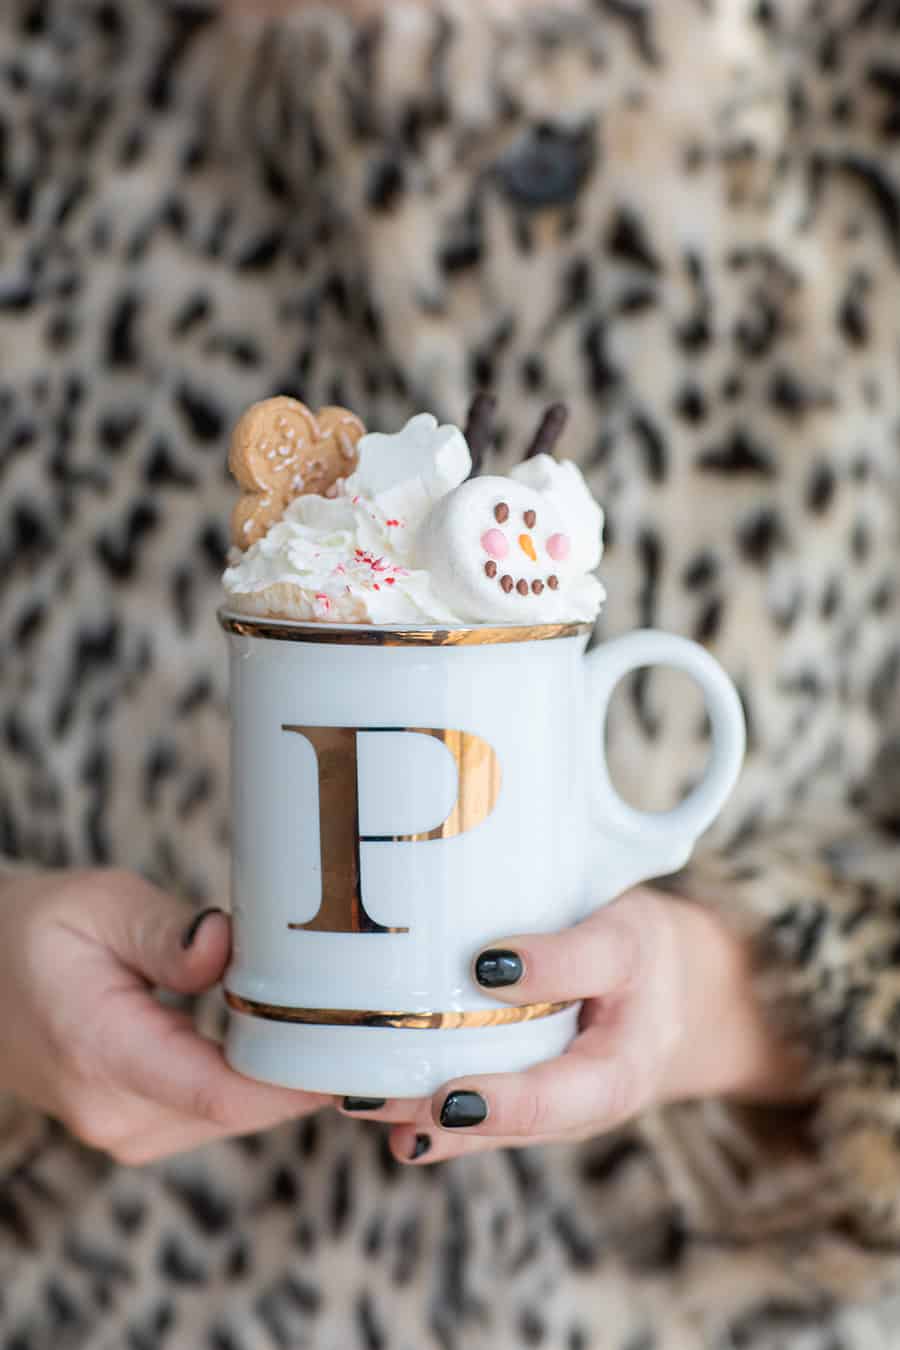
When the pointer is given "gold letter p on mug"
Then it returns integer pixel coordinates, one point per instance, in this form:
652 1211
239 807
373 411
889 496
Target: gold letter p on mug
341 909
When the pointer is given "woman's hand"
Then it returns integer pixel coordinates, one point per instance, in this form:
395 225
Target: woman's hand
83 1038
669 1014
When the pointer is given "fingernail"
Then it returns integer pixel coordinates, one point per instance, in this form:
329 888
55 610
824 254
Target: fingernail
422 1145
497 968
193 928
463 1108
364 1103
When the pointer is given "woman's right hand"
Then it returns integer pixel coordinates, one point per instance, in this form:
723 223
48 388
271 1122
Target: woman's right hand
82 1036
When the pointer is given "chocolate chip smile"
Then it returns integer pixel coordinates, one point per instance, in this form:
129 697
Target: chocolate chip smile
508 583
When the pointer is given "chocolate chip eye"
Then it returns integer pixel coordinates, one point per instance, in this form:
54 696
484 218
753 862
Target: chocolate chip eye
501 513
530 517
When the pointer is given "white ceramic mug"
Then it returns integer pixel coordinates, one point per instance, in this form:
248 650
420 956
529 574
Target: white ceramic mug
403 798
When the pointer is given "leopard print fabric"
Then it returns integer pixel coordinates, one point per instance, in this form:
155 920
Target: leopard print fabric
684 219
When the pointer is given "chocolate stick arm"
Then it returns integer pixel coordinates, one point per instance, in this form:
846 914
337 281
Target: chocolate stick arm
549 431
479 425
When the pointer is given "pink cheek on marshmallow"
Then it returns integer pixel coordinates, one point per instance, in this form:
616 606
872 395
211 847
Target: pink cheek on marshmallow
559 547
495 543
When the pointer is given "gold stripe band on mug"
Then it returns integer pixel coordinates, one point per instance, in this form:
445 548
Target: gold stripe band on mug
368 635
422 1021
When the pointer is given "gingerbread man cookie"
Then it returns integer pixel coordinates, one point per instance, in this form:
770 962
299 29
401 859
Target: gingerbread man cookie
280 450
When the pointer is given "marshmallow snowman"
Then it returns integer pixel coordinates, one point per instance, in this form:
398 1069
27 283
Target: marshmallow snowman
502 550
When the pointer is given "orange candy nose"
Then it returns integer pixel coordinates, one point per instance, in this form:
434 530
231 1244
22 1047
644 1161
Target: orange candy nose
526 544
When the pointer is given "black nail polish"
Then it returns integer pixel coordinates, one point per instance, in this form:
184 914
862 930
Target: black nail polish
421 1146
193 928
463 1108
497 968
364 1103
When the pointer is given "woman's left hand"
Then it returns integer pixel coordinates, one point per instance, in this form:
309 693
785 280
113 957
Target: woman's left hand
669 1014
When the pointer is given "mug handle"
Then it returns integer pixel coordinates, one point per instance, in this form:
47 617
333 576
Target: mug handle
644 844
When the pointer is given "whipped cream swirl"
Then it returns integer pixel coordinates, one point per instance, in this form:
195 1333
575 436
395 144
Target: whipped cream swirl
407 540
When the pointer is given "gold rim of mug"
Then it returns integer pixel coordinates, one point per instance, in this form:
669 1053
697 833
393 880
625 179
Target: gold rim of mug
289 630
421 1021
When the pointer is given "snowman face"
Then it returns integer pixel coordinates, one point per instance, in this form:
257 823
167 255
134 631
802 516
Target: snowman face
499 549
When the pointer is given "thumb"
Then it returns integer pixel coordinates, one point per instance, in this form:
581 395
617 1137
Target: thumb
601 956
152 933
